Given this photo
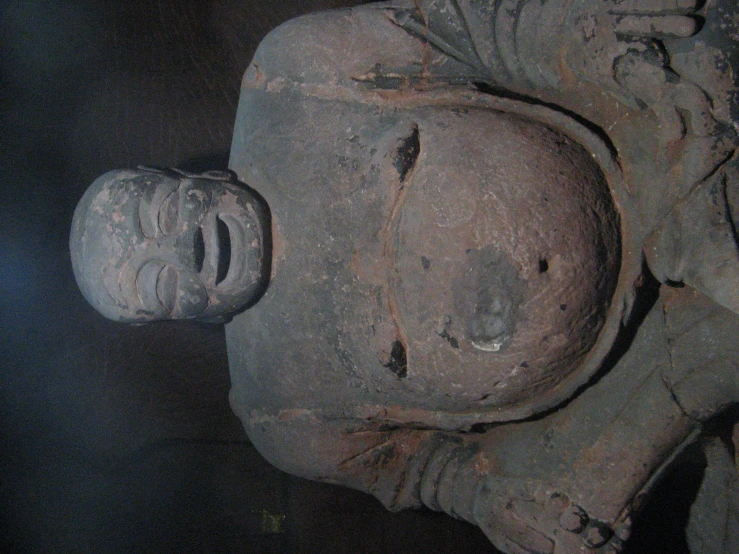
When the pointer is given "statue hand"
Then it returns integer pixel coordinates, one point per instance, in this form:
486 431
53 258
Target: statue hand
608 31
522 516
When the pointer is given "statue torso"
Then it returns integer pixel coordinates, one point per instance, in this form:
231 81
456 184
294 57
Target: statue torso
427 260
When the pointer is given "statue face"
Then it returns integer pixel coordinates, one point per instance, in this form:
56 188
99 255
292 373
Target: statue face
150 245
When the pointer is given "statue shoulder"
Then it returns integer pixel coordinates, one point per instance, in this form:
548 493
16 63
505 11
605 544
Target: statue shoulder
333 47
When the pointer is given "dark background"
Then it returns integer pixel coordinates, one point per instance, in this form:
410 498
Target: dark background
117 438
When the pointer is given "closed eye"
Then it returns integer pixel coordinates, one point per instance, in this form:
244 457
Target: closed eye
168 213
144 220
158 208
166 287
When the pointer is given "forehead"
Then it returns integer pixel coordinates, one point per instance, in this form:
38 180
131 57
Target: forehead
117 190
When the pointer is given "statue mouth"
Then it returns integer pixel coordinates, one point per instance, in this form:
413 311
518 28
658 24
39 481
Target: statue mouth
229 244
223 238
220 251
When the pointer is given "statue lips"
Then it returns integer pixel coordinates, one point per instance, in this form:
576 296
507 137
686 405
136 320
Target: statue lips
225 267
235 260
224 242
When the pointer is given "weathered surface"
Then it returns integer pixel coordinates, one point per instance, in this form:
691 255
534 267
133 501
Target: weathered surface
419 285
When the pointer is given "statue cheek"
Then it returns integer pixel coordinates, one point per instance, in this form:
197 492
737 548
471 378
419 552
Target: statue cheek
192 297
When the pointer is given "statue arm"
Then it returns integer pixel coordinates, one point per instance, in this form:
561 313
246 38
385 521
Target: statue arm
527 493
529 46
350 53
565 483
404 468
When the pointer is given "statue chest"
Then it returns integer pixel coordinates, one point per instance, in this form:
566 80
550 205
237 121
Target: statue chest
434 260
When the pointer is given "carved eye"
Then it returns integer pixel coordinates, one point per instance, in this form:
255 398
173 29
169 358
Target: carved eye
167 287
158 208
146 284
145 219
168 213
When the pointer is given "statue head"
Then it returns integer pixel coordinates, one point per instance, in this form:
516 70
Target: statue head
150 244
